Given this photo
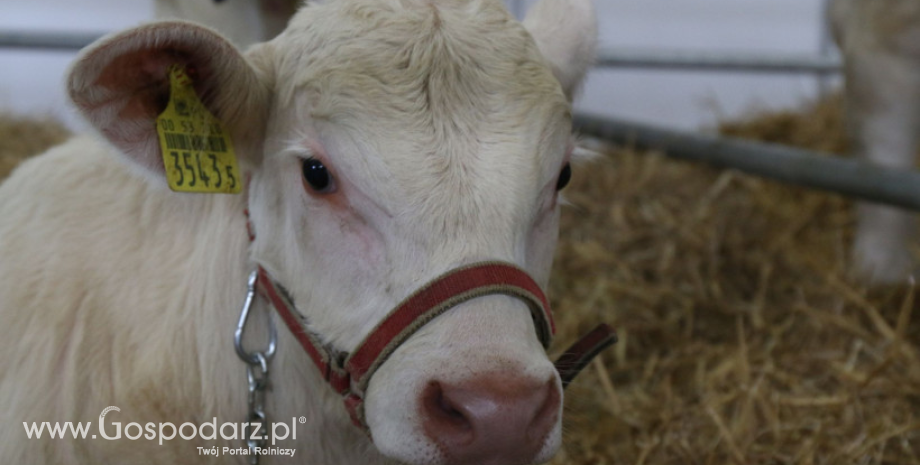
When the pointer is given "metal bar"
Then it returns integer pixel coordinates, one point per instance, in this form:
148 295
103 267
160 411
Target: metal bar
709 61
47 40
623 58
847 176
826 47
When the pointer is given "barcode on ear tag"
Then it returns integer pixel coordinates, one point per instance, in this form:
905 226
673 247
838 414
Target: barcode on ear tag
197 152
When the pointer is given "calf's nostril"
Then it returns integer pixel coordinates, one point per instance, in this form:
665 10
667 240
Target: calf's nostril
451 411
443 414
497 419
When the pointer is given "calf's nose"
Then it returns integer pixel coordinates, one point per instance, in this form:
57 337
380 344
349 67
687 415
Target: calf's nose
495 420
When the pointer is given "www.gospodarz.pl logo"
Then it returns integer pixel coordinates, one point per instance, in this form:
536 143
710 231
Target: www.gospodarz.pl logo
169 431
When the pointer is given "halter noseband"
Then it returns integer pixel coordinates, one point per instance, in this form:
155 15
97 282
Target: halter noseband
349 374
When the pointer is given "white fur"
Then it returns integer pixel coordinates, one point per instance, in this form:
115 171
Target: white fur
560 28
445 131
879 41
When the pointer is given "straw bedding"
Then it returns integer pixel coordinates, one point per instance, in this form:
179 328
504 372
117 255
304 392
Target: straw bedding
23 137
743 340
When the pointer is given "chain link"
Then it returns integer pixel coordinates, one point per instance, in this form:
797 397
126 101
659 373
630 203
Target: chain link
256 374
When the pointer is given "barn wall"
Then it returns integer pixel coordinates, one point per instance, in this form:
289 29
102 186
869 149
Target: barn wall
31 81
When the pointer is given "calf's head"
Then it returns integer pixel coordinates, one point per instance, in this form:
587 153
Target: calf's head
389 141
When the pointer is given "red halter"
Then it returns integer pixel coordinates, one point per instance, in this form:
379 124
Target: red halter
349 375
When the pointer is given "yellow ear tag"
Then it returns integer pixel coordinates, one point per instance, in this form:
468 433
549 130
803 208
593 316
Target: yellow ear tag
197 151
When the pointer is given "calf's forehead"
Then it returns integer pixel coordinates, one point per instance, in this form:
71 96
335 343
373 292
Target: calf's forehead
420 86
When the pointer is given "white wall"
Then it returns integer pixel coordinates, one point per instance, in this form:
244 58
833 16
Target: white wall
31 80
690 99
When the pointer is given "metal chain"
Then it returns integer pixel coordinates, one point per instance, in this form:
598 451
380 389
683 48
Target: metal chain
256 372
257 376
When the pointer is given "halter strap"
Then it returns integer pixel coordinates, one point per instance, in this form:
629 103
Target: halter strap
349 375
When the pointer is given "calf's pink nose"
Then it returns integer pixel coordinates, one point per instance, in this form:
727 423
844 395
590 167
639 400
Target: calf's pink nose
496 420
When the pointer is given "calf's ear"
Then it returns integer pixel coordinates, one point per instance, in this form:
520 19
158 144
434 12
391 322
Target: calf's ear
566 33
120 84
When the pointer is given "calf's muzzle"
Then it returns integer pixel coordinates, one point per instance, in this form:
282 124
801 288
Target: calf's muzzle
495 418
350 374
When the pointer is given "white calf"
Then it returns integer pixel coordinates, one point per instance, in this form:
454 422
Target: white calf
385 142
880 41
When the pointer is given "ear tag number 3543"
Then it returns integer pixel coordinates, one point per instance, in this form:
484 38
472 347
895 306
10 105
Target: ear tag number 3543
197 151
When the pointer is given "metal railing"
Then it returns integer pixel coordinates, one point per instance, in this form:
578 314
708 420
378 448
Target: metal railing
711 61
619 58
845 176
47 40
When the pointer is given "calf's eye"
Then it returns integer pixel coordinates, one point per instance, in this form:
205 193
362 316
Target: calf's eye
317 176
564 177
